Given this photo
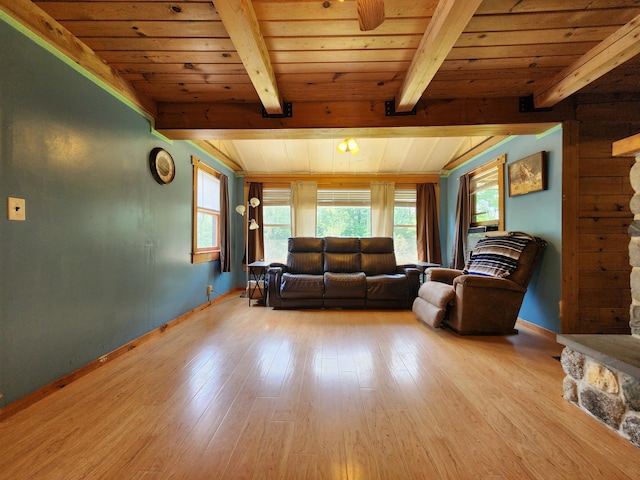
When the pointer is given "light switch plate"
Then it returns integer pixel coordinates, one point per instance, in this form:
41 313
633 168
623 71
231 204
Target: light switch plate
16 209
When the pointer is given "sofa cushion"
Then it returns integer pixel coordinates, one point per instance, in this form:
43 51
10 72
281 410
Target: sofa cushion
342 244
387 287
305 255
305 244
376 245
345 285
341 254
301 286
342 262
496 256
377 256
378 263
309 263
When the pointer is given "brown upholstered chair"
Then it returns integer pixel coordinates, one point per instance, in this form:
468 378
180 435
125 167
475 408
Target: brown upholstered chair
484 303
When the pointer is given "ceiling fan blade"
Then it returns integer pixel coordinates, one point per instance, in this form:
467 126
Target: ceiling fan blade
370 13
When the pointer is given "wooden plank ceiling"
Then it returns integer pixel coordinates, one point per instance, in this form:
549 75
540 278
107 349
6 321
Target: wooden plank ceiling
207 69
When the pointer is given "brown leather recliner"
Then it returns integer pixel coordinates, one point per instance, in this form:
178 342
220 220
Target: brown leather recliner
475 304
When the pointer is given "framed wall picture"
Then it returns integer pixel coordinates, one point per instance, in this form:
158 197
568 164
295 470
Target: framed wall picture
528 175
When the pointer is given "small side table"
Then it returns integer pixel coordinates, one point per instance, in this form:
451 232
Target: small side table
423 266
258 281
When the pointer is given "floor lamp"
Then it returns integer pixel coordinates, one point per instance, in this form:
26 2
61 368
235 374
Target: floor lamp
250 224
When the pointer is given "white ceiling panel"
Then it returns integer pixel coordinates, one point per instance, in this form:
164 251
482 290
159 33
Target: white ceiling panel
424 155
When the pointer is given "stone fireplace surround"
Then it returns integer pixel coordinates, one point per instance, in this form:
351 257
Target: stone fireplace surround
603 371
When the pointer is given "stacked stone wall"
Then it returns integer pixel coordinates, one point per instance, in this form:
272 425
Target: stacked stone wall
611 396
634 249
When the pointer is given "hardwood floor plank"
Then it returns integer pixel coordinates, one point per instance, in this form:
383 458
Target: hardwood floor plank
256 393
302 466
274 452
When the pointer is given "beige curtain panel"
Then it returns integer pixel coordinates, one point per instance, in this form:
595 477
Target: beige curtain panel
382 203
304 201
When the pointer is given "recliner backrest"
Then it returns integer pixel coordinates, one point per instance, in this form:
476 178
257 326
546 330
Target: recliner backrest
527 262
342 254
377 256
305 255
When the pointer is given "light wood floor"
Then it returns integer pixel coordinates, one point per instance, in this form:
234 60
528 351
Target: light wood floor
238 392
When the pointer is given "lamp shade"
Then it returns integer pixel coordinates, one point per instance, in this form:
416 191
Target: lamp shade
253 225
254 202
240 209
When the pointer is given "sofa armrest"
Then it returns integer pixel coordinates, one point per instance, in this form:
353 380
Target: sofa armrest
443 275
408 269
493 283
274 279
283 266
413 275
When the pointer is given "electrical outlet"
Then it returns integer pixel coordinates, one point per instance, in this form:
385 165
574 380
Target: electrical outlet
16 209
209 289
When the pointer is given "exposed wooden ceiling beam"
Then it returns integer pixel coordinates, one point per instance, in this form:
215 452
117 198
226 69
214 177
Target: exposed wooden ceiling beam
448 21
342 179
627 147
462 117
614 50
370 13
239 18
42 25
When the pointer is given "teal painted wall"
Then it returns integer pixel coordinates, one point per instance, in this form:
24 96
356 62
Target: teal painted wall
104 255
538 213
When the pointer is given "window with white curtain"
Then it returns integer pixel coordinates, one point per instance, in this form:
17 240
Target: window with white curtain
276 222
341 212
404 225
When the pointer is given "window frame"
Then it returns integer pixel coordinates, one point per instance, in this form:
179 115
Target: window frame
201 255
285 201
400 201
496 164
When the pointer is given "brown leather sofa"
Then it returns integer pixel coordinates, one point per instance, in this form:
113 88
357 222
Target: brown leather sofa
342 272
473 304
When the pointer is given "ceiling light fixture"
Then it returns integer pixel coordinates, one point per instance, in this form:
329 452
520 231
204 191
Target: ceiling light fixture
348 145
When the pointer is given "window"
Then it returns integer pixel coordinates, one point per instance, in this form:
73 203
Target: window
206 212
276 219
486 189
404 225
344 213
341 212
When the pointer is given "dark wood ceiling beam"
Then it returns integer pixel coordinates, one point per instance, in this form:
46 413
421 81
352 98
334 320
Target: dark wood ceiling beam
462 117
616 49
447 24
241 23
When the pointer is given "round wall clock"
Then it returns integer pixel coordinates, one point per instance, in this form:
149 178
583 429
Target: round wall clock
162 166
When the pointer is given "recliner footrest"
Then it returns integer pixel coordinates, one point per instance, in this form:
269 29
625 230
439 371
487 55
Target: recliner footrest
431 303
427 312
436 293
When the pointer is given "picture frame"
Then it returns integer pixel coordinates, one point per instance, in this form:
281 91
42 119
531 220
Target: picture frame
528 175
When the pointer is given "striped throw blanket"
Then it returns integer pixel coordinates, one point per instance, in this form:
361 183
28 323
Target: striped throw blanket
496 256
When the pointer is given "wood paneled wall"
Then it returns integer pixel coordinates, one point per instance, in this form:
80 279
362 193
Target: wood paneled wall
596 216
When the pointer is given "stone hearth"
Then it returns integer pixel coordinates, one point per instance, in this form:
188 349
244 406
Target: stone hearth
603 378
